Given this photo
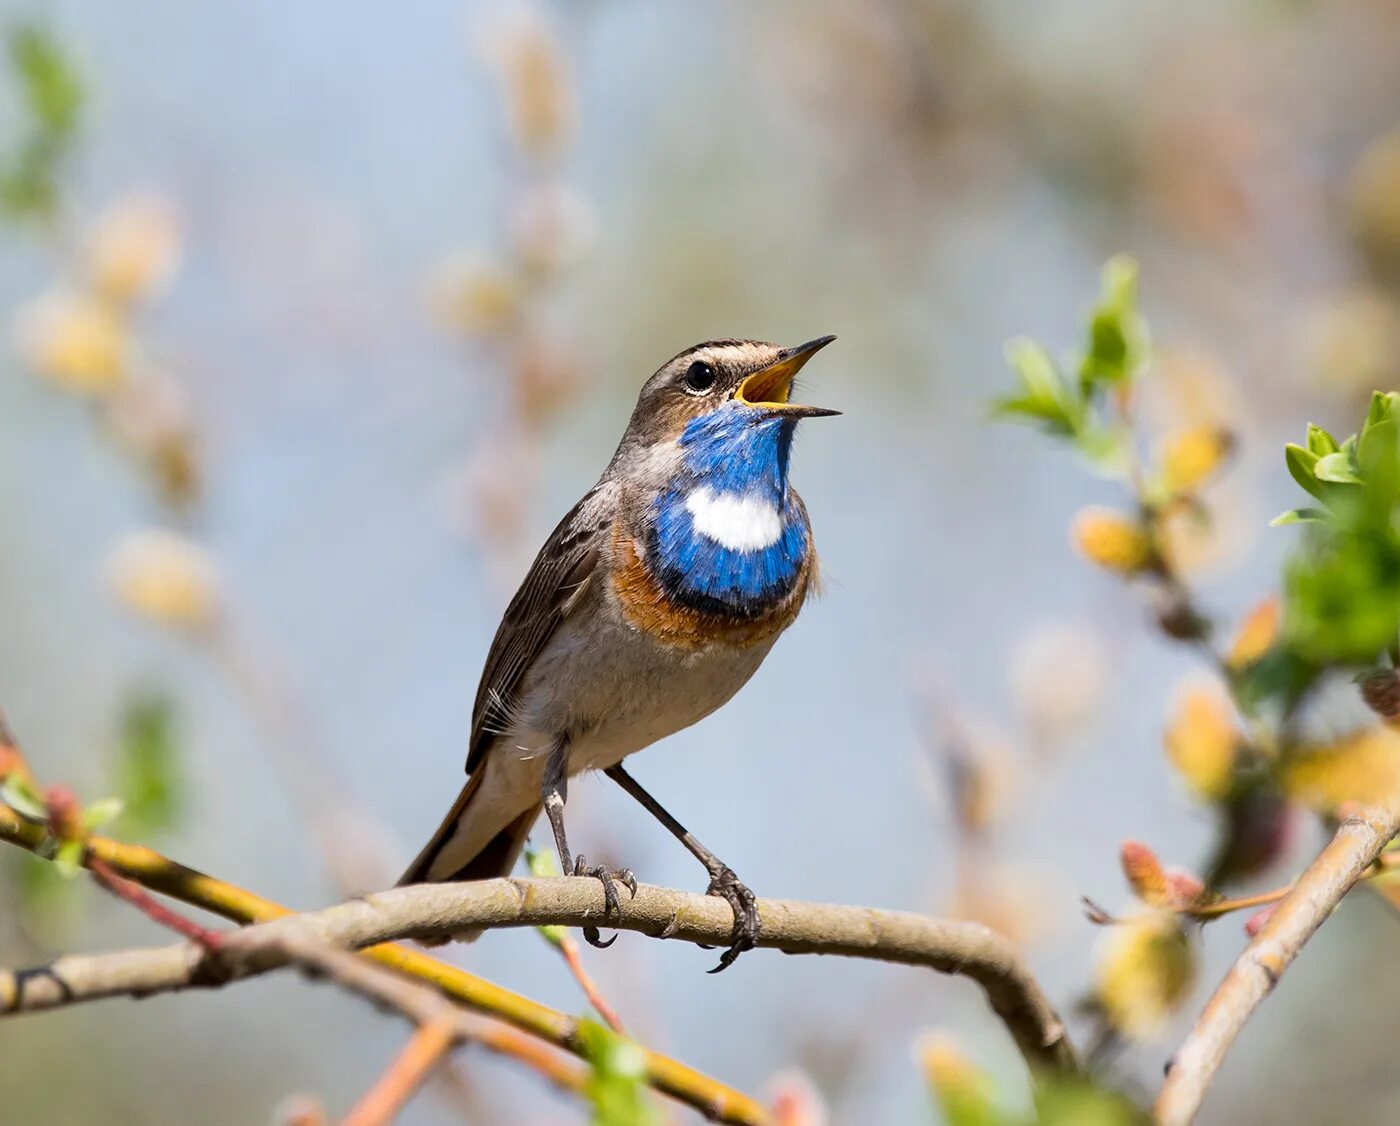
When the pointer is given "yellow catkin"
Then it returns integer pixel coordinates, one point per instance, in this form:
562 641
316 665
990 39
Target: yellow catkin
75 342
1202 741
165 578
1362 767
1256 635
1189 457
1145 971
134 248
1111 540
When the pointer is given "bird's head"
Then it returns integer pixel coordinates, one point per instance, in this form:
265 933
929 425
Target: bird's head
730 385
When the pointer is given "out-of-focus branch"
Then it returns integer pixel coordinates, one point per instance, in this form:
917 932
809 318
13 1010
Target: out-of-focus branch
441 910
1354 848
381 1104
153 871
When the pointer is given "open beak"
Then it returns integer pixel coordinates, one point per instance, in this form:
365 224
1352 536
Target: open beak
768 388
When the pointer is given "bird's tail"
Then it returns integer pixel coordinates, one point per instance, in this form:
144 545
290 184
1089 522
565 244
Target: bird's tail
470 844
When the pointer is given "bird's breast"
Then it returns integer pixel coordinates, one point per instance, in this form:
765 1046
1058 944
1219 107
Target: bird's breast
686 589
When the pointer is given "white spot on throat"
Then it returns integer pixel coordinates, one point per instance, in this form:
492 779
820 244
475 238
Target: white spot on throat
738 522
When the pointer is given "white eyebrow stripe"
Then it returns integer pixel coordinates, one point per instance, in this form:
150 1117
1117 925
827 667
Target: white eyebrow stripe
740 523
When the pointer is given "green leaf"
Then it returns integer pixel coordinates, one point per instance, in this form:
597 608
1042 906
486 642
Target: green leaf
1083 1102
1320 442
1299 516
21 795
147 765
1045 396
69 858
1382 408
1336 468
1117 334
1301 463
49 80
616 1089
1377 453
101 812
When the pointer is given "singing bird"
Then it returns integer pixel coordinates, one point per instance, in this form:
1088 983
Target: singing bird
650 606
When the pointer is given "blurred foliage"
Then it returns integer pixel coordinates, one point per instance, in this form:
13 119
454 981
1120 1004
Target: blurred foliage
147 766
1235 739
616 1089
53 98
1115 348
967 1096
1342 590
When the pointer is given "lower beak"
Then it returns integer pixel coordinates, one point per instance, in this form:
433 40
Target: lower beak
768 388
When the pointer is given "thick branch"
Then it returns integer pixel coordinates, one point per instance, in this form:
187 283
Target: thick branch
438 911
1358 841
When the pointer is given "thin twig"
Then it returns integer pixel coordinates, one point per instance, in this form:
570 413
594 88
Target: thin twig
428 1047
569 950
1354 848
134 894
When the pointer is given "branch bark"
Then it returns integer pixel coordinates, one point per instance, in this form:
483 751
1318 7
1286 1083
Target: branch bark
1355 847
158 873
441 910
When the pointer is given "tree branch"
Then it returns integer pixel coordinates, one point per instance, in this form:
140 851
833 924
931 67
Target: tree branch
158 873
437 911
1358 841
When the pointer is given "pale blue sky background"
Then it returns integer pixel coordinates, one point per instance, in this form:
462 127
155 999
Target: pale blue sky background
328 158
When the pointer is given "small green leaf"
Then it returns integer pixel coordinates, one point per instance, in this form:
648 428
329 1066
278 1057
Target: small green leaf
21 795
1382 408
1117 334
1046 398
50 82
1320 442
147 765
1301 463
101 812
1299 516
617 1088
1336 468
1083 1102
69 858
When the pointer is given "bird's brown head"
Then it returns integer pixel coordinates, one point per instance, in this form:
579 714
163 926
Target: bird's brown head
757 375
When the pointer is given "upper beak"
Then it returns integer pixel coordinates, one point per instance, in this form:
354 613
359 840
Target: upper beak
768 388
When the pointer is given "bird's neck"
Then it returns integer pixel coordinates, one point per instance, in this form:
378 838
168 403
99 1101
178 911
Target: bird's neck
728 536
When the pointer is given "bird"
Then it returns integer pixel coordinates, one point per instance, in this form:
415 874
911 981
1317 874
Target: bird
651 604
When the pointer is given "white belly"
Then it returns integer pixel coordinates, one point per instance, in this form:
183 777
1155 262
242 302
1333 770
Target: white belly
612 691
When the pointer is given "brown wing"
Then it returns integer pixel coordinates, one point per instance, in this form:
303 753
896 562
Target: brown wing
558 574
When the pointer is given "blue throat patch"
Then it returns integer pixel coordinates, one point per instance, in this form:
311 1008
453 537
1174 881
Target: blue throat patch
739 459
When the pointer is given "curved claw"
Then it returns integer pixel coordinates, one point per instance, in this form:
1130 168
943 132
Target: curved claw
612 904
725 884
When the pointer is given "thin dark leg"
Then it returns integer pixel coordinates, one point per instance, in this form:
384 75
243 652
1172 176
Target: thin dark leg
554 790
723 882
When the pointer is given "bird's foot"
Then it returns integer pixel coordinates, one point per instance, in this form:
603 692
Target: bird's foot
609 878
725 884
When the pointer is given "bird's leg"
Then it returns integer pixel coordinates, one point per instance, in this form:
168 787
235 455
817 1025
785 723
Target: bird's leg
723 882
554 791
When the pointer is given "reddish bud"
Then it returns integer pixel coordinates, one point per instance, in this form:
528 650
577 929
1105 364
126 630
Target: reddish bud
1145 874
1255 923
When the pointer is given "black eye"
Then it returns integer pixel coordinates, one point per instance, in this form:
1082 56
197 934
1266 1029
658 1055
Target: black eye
700 376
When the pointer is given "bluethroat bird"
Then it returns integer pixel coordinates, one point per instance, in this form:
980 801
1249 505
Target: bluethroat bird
650 605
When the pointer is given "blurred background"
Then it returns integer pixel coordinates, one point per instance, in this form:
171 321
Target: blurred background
323 316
